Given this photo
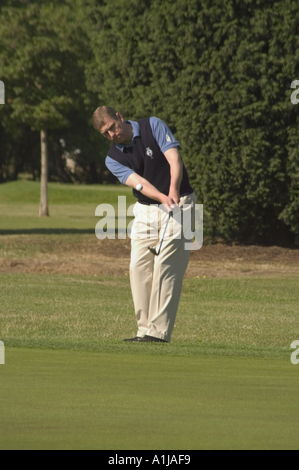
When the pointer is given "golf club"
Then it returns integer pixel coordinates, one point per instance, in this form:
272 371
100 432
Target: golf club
151 248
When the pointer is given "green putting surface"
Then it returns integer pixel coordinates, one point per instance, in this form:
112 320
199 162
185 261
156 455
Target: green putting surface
59 399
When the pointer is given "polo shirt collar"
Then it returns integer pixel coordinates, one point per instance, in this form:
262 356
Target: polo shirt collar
136 133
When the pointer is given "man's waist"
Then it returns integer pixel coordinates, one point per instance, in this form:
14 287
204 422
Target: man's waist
148 202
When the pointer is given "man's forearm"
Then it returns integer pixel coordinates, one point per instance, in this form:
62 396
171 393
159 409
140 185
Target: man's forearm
148 189
176 175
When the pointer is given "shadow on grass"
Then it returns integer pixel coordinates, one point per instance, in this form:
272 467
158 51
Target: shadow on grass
56 231
46 231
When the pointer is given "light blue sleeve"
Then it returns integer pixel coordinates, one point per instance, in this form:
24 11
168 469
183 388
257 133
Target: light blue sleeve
162 134
117 169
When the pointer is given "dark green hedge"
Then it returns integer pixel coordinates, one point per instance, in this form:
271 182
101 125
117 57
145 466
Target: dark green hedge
219 73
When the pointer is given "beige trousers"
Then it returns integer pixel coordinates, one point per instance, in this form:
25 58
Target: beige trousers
156 281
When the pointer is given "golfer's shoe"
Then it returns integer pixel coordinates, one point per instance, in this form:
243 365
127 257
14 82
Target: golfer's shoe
132 340
151 339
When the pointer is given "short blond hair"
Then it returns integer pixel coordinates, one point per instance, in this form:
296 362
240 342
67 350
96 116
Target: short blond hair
98 119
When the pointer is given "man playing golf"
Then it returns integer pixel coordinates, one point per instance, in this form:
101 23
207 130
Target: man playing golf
145 155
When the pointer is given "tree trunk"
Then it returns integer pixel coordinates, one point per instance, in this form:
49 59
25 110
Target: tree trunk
43 208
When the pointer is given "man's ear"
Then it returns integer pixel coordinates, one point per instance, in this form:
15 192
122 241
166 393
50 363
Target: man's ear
119 117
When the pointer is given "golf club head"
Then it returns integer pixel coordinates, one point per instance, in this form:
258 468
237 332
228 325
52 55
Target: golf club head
152 250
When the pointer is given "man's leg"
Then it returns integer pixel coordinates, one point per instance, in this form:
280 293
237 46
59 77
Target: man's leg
142 264
141 277
169 269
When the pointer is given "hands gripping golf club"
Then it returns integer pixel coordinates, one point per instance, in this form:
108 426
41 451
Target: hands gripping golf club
139 187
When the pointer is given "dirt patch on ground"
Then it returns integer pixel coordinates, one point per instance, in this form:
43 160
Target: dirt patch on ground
112 258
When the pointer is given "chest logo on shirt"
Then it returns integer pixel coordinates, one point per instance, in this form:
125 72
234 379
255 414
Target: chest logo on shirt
149 152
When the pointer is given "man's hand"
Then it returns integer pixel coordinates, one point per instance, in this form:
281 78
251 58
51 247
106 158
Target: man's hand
174 194
167 202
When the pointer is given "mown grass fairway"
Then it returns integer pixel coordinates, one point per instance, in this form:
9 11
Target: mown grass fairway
54 399
72 207
256 317
225 381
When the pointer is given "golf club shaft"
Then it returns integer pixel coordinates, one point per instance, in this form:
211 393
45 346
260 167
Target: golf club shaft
169 215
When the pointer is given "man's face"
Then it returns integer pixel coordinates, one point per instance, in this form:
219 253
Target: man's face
114 129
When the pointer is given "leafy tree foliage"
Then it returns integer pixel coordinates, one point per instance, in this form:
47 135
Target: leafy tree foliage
42 62
218 72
